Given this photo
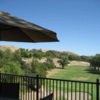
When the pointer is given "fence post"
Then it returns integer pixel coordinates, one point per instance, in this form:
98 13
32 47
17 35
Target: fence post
37 94
97 88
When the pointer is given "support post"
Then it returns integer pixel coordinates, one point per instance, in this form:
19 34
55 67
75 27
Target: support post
97 88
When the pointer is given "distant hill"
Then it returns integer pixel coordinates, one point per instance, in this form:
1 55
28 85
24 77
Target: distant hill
13 48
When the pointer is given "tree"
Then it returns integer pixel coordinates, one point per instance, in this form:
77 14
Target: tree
8 54
62 55
13 67
35 66
95 61
25 54
74 57
17 55
1 54
49 59
63 62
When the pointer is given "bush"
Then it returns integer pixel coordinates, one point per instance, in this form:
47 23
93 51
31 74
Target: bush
48 66
74 57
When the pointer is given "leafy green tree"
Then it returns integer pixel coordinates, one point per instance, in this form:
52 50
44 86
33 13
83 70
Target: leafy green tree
8 54
1 54
35 67
95 61
47 66
38 54
13 68
25 54
49 59
49 54
5 57
74 57
17 55
63 62
63 54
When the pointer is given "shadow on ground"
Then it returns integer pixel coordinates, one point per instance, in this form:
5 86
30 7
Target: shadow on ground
58 67
93 71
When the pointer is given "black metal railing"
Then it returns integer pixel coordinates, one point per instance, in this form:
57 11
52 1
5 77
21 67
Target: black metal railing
34 88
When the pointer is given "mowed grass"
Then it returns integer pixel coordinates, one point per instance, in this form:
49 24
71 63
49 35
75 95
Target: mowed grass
77 73
80 73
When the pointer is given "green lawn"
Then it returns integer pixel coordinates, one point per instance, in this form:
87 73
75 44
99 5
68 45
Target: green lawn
80 73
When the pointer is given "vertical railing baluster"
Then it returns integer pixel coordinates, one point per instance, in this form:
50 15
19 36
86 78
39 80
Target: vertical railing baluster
23 88
71 90
63 90
79 91
84 91
88 91
26 88
92 91
53 89
50 87
56 89
34 92
20 84
75 90
31 85
60 89
44 87
67 89
37 95
41 89
47 87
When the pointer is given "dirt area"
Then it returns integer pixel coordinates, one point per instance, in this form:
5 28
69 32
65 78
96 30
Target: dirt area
81 63
12 48
28 61
80 78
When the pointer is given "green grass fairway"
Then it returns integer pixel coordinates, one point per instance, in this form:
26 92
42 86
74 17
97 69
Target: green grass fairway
78 73
82 73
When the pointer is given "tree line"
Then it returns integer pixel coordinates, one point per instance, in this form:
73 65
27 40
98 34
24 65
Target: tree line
11 62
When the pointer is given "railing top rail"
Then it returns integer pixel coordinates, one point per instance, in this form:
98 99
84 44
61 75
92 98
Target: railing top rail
68 80
19 75
50 78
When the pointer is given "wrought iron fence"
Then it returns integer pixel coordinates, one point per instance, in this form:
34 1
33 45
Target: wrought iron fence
34 88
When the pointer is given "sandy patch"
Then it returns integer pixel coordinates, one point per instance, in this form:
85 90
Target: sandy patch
80 63
12 48
80 78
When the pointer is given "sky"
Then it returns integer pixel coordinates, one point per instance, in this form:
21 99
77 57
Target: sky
76 22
